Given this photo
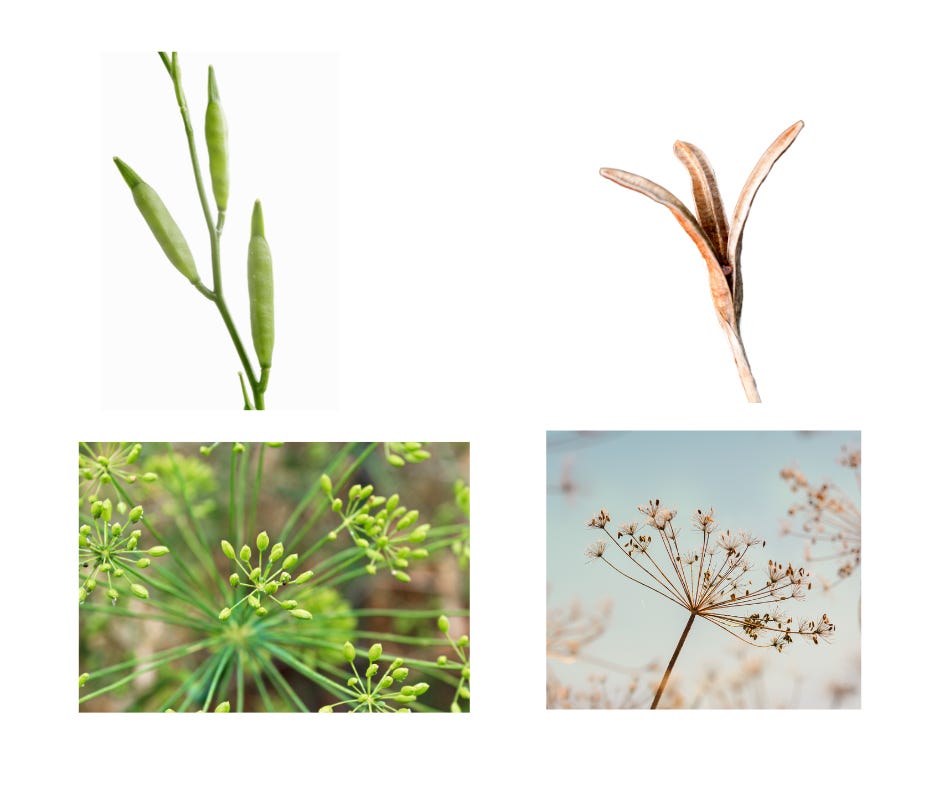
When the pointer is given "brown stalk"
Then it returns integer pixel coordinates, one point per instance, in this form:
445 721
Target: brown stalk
672 662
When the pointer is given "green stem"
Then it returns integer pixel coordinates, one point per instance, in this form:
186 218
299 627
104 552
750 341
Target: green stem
672 662
215 295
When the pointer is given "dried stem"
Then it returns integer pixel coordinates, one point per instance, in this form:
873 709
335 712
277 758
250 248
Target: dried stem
740 360
675 656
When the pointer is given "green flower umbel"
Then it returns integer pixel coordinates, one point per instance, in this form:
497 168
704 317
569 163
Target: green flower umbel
108 554
264 581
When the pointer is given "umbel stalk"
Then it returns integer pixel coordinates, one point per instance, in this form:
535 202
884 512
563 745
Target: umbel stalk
672 662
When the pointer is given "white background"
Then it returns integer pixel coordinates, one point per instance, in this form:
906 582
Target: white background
490 285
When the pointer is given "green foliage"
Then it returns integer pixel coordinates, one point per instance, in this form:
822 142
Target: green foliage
248 569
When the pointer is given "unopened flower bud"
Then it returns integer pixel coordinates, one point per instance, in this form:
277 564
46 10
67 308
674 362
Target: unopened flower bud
276 552
143 563
354 491
262 541
403 576
238 448
224 613
349 651
135 514
420 533
290 562
116 529
400 674
372 670
408 519
233 579
375 652
304 577
223 707
158 550
326 485
443 624
337 505
245 553
139 591
261 612
370 568
149 477
82 679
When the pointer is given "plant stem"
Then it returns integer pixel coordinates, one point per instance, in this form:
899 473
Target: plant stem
740 360
672 662
215 231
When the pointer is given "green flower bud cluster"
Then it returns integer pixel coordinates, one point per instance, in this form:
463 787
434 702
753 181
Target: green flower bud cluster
385 531
264 580
460 646
461 547
109 553
103 463
370 692
398 454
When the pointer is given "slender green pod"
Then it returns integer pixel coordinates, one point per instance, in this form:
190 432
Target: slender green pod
164 229
260 289
217 143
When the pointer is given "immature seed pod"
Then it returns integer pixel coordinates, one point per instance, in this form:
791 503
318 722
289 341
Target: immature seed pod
217 143
260 289
164 229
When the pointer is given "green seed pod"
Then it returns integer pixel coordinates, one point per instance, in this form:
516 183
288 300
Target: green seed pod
82 679
106 510
385 683
349 651
375 652
289 604
158 550
134 453
442 660
116 529
260 289
326 485
233 579
403 576
372 670
228 550
276 552
463 640
370 568
261 612
82 595
164 229
217 143
82 540
254 602
262 541
443 624
113 593
96 509
135 534
135 514
143 563
119 572
90 583
325 710
420 533
254 574
455 708
139 590
224 613
291 561
85 529
245 553
306 615
150 476
223 708
304 577
270 588
337 505
354 491
400 674
395 460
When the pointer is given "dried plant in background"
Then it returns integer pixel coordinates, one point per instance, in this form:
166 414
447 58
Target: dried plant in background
710 581
827 517
717 243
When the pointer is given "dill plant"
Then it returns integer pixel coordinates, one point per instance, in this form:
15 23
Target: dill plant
714 579
282 578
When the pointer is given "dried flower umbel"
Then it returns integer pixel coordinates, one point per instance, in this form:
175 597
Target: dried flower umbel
827 518
711 581
718 243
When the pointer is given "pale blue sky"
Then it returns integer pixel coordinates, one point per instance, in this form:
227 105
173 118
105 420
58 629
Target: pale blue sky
737 473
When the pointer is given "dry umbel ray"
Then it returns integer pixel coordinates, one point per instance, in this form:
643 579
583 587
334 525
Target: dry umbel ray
718 243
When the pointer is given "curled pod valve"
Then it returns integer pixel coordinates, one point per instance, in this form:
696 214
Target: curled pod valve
164 229
260 290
